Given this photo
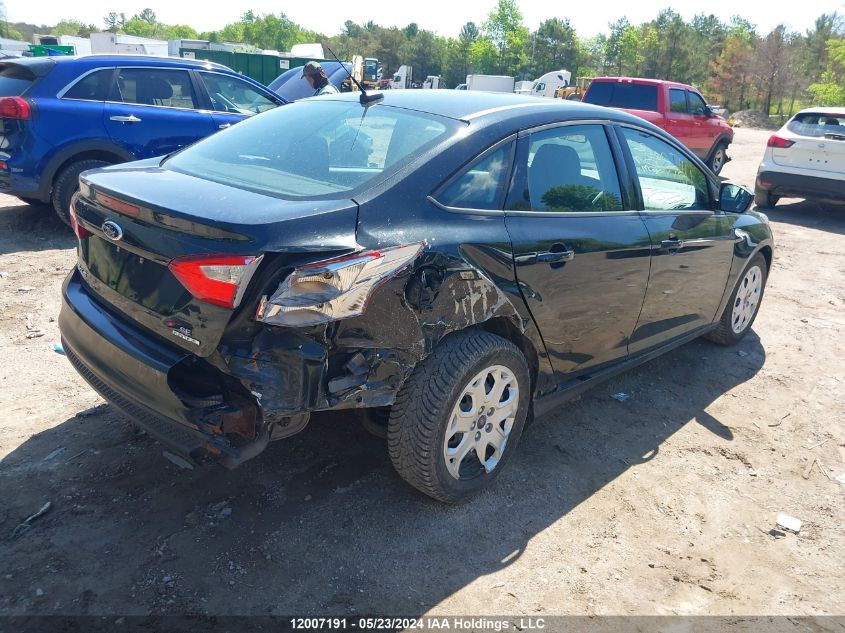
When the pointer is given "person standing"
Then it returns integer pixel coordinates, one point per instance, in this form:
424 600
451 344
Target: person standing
315 76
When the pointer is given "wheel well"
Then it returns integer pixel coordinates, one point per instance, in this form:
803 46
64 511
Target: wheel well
93 154
504 327
766 252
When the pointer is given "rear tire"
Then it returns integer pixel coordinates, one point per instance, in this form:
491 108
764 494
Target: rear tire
744 304
375 420
764 199
67 183
718 158
458 418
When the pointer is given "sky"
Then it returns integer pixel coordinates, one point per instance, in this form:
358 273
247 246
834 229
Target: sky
445 17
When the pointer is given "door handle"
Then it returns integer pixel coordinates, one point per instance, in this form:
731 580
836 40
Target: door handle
125 119
556 257
223 126
672 245
553 257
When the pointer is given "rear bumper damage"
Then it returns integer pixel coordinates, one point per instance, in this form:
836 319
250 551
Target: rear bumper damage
231 405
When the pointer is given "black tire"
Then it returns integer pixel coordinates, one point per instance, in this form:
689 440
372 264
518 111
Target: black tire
375 420
67 183
725 334
718 158
764 199
416 434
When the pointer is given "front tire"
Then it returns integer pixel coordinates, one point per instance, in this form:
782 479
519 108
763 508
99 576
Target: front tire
459 416
744 304
718 158
67 184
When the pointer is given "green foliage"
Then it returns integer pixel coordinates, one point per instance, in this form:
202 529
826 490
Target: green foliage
73 27
830 89
731 61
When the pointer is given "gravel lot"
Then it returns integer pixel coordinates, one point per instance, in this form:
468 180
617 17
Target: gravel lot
663 504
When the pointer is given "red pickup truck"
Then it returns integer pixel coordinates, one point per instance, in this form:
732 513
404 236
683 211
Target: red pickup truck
677 108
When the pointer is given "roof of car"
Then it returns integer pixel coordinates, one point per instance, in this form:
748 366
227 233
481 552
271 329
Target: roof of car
469 105
839 111
643 81
124 59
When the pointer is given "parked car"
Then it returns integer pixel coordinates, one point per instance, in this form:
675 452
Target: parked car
493 256
292 86
676 108
804 159
122 108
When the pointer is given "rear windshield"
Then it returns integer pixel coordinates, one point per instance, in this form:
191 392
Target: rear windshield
816 124
622 95
314 148
14 80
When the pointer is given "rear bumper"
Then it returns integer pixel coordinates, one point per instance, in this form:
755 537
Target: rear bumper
800 186
15 182
131 370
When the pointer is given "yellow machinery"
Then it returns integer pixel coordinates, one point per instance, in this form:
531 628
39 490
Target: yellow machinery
575 91
366 71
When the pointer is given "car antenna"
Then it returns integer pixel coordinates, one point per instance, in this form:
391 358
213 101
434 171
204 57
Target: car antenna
365 98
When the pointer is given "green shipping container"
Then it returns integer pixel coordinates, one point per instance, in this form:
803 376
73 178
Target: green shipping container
262 68
44 50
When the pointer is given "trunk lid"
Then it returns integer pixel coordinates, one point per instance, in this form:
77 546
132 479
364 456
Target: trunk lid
163 215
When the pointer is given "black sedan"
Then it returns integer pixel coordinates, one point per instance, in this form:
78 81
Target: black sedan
448 264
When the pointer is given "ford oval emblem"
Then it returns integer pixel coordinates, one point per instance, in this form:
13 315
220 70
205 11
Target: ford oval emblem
112 231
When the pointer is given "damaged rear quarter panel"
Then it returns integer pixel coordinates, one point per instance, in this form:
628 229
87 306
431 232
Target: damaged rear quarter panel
462 278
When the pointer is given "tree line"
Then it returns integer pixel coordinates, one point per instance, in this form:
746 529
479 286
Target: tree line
734 64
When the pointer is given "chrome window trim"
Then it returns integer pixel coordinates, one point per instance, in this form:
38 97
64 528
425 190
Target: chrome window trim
61 93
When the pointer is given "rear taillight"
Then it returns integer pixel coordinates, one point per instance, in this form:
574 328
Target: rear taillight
14 108
81 231
779 142
334 289
213 278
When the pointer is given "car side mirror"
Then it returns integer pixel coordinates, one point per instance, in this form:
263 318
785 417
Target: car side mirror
734 199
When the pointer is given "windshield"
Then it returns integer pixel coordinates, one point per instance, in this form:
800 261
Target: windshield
313 148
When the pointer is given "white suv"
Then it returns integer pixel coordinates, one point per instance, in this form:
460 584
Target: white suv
804 159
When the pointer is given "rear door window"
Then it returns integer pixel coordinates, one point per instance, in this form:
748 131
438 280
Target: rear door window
482 184
569 168
622 95
817 124
677 101
668 179
14 80
235 96
155 87
92 87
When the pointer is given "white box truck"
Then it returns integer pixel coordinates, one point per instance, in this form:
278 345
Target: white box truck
111 43
490 83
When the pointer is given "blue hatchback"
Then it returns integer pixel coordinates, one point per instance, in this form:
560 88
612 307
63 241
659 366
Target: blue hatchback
60 116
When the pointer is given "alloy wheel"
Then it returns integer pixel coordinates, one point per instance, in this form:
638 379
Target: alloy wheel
480 423
747 298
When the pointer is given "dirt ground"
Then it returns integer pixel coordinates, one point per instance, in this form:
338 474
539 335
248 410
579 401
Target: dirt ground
663 504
